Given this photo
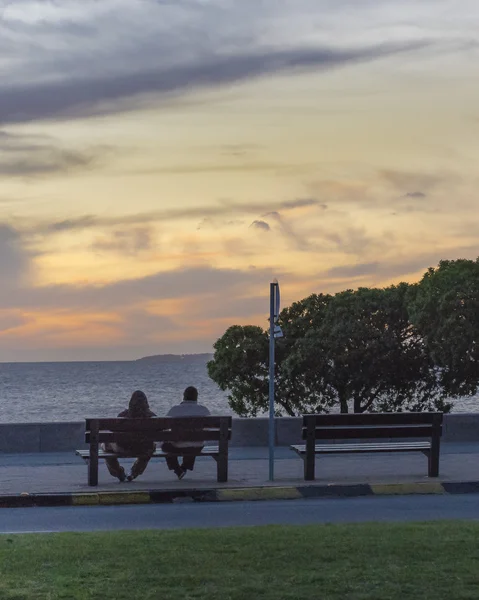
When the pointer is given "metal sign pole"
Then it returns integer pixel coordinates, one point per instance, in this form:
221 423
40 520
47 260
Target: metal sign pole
272 307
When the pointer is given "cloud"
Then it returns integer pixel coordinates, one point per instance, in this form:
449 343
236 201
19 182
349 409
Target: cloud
302 202
299 241
78 223
34 155
10 320
237 307
129 242
210 222
386 270
206 213
142 326
191 282
85 96
261 225
415 195
414 180
357 270
14 259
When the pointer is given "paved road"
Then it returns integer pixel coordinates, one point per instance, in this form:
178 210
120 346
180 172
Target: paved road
297 512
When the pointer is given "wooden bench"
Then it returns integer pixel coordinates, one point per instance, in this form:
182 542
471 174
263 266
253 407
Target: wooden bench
167 429
381 426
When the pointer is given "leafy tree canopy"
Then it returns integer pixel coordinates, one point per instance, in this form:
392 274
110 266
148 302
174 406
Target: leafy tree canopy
444 307
401 348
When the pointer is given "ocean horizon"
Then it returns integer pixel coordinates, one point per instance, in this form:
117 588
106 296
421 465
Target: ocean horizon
74 390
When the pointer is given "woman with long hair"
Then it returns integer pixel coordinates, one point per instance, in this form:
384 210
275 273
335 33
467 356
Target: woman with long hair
142 449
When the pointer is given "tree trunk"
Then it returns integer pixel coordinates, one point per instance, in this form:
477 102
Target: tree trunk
287 408
343 403
357 405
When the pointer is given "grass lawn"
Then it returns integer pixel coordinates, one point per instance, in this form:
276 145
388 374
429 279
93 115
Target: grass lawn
366 561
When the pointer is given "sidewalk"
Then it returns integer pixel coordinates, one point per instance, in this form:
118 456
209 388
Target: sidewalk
23 476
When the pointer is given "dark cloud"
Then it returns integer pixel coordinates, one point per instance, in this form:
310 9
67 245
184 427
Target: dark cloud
302 202
415 195
97 95
27 156
262 225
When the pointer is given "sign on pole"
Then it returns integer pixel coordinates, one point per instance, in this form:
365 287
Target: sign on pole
274 332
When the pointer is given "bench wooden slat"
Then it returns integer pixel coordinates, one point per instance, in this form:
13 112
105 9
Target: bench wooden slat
85 454
158 436
364 448
355 432
158 423
364 419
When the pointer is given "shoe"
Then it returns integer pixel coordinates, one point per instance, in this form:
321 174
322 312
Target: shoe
180 473
130 477
122 476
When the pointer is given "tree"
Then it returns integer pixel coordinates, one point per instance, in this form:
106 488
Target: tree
356 349
364 355
240 366
444 307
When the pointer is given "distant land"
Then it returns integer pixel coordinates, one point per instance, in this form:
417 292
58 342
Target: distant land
168 358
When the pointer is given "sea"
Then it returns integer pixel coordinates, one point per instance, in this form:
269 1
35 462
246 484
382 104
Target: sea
72 391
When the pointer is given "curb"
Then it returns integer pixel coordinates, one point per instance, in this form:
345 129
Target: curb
235 494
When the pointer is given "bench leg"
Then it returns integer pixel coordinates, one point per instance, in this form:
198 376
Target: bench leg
222 468
93 469
309 467
433 463
94 448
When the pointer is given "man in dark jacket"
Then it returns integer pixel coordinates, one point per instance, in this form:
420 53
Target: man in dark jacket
143 449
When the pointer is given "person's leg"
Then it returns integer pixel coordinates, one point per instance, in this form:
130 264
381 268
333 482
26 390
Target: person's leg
112 464
172 459
138 467
141 462
189 458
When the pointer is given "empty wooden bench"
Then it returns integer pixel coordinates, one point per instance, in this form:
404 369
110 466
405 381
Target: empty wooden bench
159 430
371 426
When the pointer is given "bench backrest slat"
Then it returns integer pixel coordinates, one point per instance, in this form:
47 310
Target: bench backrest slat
364 419
158 429
157 423
372 425
204 435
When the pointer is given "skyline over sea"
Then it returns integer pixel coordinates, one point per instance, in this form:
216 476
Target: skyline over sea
73 391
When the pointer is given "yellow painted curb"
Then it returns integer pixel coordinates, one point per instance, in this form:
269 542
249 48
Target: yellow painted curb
85 499
124 498
408 488
266 493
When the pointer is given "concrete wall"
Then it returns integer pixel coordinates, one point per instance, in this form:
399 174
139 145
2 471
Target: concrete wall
69 436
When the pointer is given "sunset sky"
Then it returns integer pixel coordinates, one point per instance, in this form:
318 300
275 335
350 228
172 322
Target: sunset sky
162 161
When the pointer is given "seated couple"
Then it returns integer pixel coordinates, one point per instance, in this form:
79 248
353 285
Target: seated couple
144 449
